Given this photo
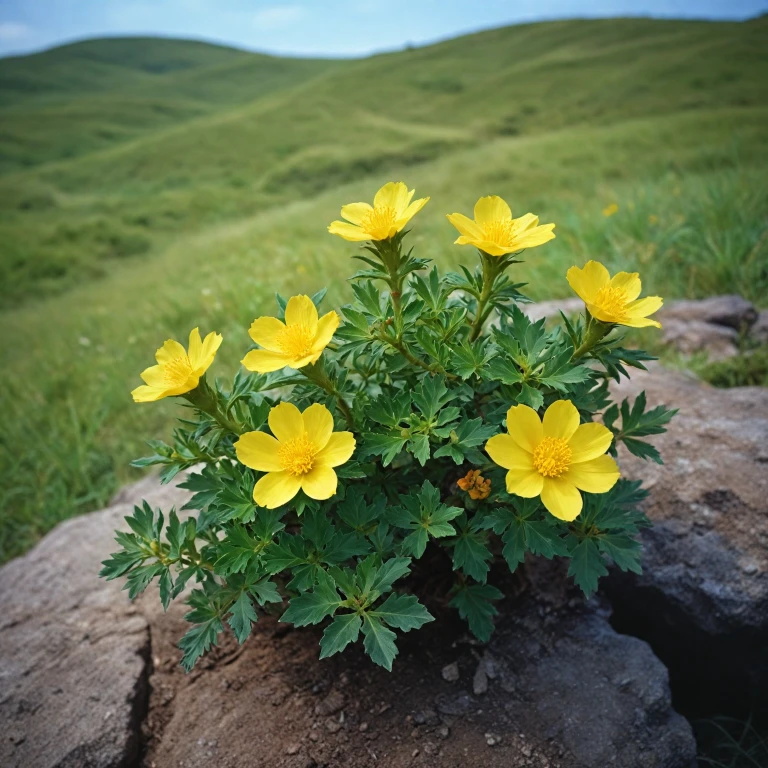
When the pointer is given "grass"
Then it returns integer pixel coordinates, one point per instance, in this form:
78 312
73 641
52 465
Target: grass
199 220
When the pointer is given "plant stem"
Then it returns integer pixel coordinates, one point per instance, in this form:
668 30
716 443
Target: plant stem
490 273
317 375
595 332
205 400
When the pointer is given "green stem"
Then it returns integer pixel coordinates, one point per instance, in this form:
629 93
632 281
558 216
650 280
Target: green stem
400 346
390 258
316 374
490 273
205 400
595 332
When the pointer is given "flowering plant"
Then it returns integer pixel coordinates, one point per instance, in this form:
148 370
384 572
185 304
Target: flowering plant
435 416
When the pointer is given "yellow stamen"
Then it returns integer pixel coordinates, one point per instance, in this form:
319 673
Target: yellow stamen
499 231
295 340
296 456
613 301
379 221
552 456
178 371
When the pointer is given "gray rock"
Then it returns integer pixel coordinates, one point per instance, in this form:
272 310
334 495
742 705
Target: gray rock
450 672
690 336
759 331
731 311
480 679
704 585
553 308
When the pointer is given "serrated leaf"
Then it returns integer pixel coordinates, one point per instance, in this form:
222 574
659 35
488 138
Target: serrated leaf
587 566
312 607
242 616
343 630
403 612
622 549
198 640
543 539
387 446
379 642
471 555
473 602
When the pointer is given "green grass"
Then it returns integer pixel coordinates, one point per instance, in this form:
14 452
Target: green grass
199 220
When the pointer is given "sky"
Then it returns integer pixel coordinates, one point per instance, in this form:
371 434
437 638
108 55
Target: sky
316 27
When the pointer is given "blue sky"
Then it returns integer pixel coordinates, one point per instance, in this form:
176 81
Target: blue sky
325 27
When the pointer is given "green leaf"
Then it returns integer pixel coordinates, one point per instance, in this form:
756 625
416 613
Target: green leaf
471 554
390 571
198 640
312 607
530 396
390 411
343 630
432 395
235 552
166 587
514 544
242 616
403 612
419 447
139 578
622 549
265 591
386 446
473 602
379 642
467 435
543 539
587 566
471 359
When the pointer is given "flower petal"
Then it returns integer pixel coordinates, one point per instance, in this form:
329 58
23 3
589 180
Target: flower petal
326 327
276 489
524 427
355 212
320 482
589 441
561 419
640 322
286 422
264 361
588 281
318 424
535 236
561 498
264 332
602 315
525 222
466 226
394 194
195 348
404 217
170 351
629 282
644 307
258 450
524 482
211 344
505 452
595 476
491 208
338 450
144 394
154 376
348 231
301 310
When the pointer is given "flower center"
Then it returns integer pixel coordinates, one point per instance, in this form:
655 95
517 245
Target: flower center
177 371
297 455
379 222
499 231
295 340
613 301
552 456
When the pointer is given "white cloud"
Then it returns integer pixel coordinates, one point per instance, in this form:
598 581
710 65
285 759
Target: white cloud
10 31
276 16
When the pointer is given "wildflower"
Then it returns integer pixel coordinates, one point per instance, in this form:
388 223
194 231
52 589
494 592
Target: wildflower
296 343
554 458
609 210
613 299
475 485
392 210
495 232
177 370
301 455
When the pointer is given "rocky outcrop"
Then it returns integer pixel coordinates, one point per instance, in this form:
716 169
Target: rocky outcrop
702 599
90 680
729 311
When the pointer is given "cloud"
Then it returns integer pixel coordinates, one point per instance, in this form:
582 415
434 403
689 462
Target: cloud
11 31
276 16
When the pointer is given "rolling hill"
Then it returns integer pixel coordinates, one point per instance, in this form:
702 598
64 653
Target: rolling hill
148 186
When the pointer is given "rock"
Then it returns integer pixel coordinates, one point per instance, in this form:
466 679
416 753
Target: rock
553 308
759 331
64 630
718 341
480 680
731 311
703 596
450 672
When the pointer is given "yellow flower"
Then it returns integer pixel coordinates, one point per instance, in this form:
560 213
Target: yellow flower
495 232
609 210
613 300
177 371
296 343
392 210
301 455
554 458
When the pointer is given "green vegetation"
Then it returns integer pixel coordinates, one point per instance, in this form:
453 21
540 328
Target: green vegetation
192 214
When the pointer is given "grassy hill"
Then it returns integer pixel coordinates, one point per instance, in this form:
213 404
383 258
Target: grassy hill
168 184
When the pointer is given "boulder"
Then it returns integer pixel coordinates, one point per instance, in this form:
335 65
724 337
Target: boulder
719 342
702 599
731 311
759 331
90 680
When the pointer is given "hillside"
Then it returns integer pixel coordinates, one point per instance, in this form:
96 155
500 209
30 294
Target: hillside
109 148
219 193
